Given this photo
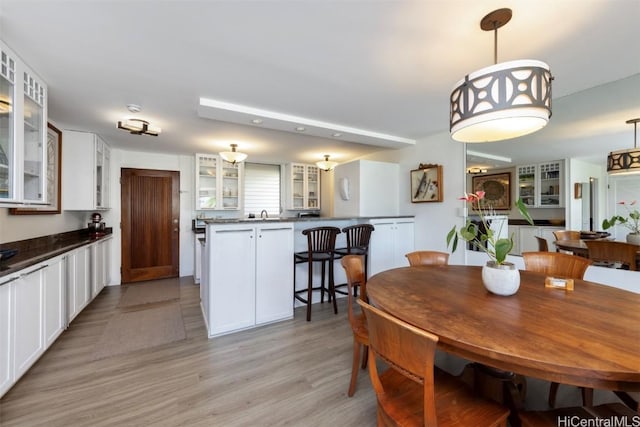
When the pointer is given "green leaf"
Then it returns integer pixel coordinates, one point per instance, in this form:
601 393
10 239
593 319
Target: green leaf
524 211
502 248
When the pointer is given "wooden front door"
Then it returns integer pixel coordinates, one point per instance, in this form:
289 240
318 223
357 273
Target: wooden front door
150 224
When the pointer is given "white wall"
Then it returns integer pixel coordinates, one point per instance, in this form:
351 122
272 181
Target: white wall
433 220
580 172
21 227
143 160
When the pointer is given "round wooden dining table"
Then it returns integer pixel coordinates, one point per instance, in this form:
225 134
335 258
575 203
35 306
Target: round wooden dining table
587 337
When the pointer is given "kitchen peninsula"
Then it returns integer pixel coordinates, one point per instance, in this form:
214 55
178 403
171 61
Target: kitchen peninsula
247 265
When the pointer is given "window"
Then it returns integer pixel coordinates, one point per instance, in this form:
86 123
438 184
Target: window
261 189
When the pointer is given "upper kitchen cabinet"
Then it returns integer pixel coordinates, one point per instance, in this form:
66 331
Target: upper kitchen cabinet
218 183
85 155
303 185
23 124
541 185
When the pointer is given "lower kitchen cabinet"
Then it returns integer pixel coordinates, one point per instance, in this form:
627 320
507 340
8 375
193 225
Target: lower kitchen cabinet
78 281
6 365
54 295
100 265
524 237
391 240
247 275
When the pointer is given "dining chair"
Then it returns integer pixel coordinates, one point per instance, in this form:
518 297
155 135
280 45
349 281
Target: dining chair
418 258
610 253
354 268
566 235
321 243
543 246
411 391
562 265
358 238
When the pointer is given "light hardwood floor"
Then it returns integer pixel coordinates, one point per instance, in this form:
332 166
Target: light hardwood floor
293 373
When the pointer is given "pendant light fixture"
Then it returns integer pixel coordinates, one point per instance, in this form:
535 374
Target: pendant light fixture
326 164
503 101
626 162
233 156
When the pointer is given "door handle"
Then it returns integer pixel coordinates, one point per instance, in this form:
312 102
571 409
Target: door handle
175 220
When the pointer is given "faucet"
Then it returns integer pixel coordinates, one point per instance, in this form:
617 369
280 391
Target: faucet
264 212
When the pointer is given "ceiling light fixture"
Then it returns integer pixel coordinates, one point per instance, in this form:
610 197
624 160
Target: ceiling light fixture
256 121
626 162
502 101
300 129
139 127
233 156
475 171
326 164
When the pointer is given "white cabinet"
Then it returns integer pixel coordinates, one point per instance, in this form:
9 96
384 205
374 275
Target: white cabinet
524 237
391 240
218 183
197 261
248 276
85 171
54 295
28 312
78 281
303 187
100 265
541 185
23 132
6 314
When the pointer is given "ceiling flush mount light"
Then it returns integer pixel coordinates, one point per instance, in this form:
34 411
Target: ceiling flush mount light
503 101
326 164
139 127
233 156
475 171
626 162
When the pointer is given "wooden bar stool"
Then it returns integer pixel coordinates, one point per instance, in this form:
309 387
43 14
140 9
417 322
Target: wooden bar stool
321 244
358 237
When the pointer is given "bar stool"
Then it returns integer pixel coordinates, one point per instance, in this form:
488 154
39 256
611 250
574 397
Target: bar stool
358 237
321 245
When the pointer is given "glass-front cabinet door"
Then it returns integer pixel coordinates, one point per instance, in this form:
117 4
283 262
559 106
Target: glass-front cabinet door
527 184
206 181
297 186
313 187
230 185
7 109
34 128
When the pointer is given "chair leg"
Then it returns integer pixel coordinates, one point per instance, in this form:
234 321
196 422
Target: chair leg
587 396
322 287
553 391
309 290
332 288
354 367
365 356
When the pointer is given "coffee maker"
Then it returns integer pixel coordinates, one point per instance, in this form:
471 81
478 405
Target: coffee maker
96 226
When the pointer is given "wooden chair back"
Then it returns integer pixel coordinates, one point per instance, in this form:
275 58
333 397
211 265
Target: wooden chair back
609 252
406 349
556 264
354 268
567 235
358 237
543 246
321 240
418 258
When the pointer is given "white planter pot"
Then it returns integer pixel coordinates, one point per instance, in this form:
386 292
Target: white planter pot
503 279
633 238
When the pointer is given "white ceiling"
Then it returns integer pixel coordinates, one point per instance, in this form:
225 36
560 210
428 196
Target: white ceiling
379 65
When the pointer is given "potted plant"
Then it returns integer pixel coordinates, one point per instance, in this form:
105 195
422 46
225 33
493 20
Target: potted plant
498 275
632 222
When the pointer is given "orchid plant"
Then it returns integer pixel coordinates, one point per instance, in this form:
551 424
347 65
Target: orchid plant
486 238
632 223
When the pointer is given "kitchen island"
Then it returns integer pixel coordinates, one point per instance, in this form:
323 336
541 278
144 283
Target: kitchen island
247 265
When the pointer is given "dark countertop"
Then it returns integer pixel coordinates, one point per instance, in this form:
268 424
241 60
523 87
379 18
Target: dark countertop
294 219
540 222
33 251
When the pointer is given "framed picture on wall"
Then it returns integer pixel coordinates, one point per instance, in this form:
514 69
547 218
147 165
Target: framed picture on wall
497 189
54 165
426 184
